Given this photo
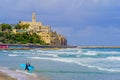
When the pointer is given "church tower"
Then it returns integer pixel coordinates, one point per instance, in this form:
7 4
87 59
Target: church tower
33 17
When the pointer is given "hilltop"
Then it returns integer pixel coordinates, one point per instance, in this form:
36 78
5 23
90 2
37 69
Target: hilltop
30 32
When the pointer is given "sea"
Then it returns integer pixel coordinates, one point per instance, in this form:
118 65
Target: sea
63 64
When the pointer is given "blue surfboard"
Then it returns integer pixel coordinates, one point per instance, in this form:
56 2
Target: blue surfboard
31 68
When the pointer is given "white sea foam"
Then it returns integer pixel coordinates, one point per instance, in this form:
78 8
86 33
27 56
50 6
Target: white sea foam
99 68
110 52
79 51
15 51
106 69
40 51
4 50
104 52
19 75
56 52
54 59
99 52
90 53
49 55
12 55
114 58
78 62
25 72
25 52
82 61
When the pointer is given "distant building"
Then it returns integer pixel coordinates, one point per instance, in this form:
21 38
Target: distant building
47 35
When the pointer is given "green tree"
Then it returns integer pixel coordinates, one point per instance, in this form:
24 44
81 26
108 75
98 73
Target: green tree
6 27
23 27
17 26
20 38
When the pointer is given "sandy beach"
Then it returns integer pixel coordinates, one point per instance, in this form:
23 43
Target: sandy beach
4 76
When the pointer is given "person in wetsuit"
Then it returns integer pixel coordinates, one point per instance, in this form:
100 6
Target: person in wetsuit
27 65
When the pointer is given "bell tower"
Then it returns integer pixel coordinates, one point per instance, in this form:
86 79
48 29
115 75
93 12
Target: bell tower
33 17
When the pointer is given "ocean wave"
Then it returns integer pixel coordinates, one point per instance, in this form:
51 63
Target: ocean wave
40 51
48 55
113 58
103 52
57 52
19 75
97 54
80 51
21 52
100 68
53 59
106 69
110 52
100 52
71 60
25 72
4 51
69 52
13 55
91 53
15 51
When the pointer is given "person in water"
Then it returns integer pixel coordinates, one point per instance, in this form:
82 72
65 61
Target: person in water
27 65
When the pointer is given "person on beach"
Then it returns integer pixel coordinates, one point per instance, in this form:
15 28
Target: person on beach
27 65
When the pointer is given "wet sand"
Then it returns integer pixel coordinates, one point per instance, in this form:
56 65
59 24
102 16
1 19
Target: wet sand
4 76
16 75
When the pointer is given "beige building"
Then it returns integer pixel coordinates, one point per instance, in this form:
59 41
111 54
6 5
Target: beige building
35 26
47 35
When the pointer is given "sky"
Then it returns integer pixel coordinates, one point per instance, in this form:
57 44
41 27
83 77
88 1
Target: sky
82 22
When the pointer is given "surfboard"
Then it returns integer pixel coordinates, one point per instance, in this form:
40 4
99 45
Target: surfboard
31 68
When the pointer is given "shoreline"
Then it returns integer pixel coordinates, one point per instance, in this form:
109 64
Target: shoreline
99 47
5 76
48 47
68 46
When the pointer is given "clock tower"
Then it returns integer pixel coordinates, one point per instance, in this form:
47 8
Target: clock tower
33 17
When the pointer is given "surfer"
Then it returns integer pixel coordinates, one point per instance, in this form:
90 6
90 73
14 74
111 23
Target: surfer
27 65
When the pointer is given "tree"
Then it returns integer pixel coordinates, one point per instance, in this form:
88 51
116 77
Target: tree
6 27
17 26
24 26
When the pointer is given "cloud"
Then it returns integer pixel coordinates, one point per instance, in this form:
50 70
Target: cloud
96 35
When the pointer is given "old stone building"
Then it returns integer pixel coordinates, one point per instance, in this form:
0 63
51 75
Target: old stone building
47 35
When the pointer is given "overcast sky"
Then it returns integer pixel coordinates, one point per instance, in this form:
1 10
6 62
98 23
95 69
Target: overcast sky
82 22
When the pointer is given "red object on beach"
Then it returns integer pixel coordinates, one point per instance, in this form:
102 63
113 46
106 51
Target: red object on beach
2 46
